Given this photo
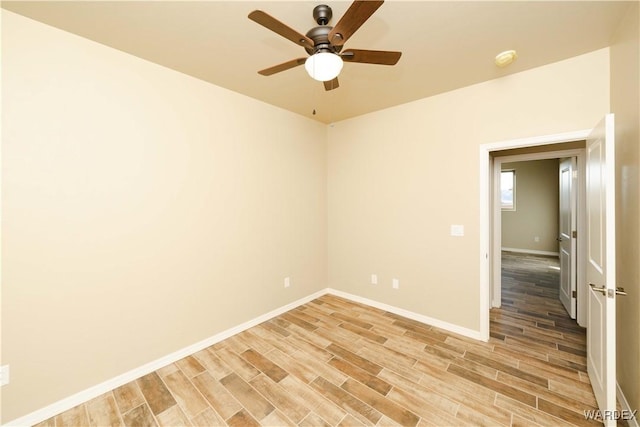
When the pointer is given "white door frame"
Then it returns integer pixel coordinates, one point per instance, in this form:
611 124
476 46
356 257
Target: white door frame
568 213
487 254
496 261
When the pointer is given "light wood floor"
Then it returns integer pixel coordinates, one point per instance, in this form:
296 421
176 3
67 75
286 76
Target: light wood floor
335 362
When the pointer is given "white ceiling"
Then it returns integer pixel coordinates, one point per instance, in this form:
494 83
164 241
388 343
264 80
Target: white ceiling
445 44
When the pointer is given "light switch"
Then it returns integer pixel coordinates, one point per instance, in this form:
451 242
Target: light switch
457 230
4 375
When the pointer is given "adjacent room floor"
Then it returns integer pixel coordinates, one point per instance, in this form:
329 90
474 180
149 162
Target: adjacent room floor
335 362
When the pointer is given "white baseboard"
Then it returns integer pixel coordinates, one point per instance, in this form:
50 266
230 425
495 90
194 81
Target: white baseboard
470 333
531 251
74 400
624 403
99 389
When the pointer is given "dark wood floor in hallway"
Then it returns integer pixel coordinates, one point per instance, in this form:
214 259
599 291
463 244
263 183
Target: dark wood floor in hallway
532 313
335 362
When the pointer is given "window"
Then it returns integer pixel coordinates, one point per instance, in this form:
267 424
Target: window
508 190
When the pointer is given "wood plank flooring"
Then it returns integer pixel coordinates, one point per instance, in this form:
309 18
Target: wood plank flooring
333 362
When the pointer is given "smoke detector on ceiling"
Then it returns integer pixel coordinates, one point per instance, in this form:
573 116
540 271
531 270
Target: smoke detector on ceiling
505 58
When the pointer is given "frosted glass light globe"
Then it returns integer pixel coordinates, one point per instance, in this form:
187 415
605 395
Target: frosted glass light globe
323 66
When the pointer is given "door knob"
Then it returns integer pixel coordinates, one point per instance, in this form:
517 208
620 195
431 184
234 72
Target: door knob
604 291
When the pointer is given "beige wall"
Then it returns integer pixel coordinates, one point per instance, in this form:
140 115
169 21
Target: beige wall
399 178
536 214
142 211
625 102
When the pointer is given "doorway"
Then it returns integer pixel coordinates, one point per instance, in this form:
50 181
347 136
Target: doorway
548 146
569 250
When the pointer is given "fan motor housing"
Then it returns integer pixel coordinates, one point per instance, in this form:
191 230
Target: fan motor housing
320 37
322 14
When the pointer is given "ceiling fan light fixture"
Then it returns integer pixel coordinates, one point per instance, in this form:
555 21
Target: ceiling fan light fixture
323 66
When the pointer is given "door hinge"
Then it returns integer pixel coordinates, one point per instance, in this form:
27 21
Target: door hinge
574 294
574 234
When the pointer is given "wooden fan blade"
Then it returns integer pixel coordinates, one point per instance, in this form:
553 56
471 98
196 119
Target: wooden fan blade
353 18
380 57
278 27
282 67
331 84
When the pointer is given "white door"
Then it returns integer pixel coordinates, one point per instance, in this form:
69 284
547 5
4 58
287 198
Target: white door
567 230
601 265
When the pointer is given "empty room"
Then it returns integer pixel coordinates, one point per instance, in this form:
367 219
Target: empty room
289 213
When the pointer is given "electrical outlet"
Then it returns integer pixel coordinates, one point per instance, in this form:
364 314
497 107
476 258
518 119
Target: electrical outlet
374 279
395 284
287 282
4 375
536 239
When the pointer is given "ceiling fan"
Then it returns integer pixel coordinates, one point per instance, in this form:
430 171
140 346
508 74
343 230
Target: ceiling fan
324 43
